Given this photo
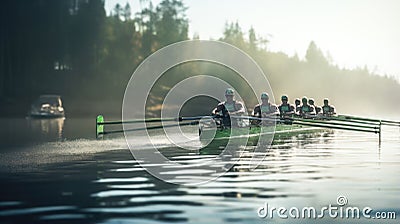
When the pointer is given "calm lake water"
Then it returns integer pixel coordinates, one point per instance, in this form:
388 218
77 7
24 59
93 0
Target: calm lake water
54 171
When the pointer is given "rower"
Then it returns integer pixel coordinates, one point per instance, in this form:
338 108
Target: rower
228 108
286 109
297 105
265 109
306 109
317 108
328 110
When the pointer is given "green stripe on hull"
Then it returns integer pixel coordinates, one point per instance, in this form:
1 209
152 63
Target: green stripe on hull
253 135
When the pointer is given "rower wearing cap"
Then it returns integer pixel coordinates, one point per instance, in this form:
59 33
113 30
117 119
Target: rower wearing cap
328 110
265 108
306 109
317 108
286 109
297 105
228 108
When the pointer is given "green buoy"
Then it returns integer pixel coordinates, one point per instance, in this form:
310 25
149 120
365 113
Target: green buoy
99 126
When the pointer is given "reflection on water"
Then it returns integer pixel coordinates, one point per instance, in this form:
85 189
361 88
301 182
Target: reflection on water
25 132
100 181
50 129
17 132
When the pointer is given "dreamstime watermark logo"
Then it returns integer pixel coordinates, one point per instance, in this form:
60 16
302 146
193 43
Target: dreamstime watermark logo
143 80
339 210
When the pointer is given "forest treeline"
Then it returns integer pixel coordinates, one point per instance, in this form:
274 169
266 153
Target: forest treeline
73 48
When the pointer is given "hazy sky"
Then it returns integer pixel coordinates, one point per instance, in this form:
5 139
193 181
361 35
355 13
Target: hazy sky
354 32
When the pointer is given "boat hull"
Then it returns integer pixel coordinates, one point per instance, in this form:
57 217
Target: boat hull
47 106
219 138
46 115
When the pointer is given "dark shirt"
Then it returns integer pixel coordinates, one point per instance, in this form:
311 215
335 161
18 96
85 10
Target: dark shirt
286 109
328 110
307 110
271 108
317 109
226 120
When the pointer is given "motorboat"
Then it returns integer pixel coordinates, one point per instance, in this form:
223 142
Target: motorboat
47 106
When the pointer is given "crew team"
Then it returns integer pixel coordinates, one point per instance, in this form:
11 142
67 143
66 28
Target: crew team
305 109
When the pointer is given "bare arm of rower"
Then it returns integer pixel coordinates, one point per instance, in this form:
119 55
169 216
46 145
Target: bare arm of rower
256 111
217 109
240 110
313 111
292 110
274 112
333 110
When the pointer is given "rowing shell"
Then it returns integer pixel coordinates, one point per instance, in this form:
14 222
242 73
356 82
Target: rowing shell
255 135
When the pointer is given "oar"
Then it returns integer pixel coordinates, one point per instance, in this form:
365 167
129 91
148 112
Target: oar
347 120
151 120
384 122
333 123
370 130
288 120
148 128
148 120
318 123
100 123
351 117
